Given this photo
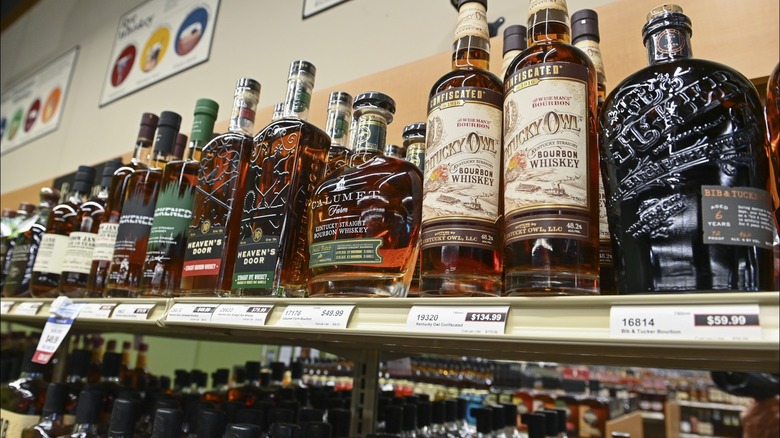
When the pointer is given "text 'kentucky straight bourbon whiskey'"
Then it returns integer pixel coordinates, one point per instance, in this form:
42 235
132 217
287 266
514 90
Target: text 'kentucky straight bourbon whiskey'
462 205
551 165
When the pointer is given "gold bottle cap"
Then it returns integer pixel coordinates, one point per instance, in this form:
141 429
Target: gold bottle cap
664 9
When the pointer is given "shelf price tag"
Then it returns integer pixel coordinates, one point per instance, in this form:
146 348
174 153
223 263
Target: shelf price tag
316 316
191 312
715 322
63 313
242 314
133 311
5 307
462 320
96 310
28 308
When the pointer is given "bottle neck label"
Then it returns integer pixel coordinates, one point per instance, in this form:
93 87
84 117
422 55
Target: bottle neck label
592 49
668 45
535 6
416 155
371 133
472 21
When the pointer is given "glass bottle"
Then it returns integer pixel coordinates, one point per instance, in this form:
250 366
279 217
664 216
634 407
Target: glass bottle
173 211
81 241
17 282
288 158
515 41
7 224
365 217
141 371
109 382
62 221
414 142
772 114
76 381
278 111
585 36
25 396
167 423
18 224
684 149
211 239
124 415
135 223
88 424
462 192
104 245
51 423
339 119
551 165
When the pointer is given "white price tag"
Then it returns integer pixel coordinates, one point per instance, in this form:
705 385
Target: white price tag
5 307
242 314
96 310
63 313
190 312
475 320
316 316
28 308
133 311
715 322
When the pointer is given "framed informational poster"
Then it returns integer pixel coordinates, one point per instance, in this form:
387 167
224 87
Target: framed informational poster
157 40
313 7
33 107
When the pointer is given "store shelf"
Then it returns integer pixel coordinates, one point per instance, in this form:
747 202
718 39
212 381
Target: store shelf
708 405
553 329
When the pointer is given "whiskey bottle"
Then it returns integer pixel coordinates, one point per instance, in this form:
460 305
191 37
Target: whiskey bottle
339 119
515 41
81 241
414 142
62 221
462 205
278 111
7 223
173 211
211 238
17 283
585 36
135 223
18 224
772 114
52 422
687 171
289 157
395 151
106 238
551 165
365 217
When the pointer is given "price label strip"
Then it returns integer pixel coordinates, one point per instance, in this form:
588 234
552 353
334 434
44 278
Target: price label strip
28 308
242 314
133 311
96 310
316 316
715 322
462 320
189 312
5 307
63 313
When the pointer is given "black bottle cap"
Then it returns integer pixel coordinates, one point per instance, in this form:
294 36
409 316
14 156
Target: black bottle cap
497 419
515 38
167 423
462 407
339 97
248 83
482 2
584 23
536 425
340 420
551 382
211 423
550 420
265 378
277 370
112 364
231 408
510 414
594 386
89 405
252 370
302 66
665 16
79 363
199 378
169 125
374 99
164 382
414 129
450 410
220 377
284 430
239 374
27 365
438 411
424 414
394 415
296 370
310 414
146 130
123 417
251 416
410 417
108 171
182 379
572 386
562 414
316 429
85 179
56 396
180 146
411 399
280 415
244 430
166 403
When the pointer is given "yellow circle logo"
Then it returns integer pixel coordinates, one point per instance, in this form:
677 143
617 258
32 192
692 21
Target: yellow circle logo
155 48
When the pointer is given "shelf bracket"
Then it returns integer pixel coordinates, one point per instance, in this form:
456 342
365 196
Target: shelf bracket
365 382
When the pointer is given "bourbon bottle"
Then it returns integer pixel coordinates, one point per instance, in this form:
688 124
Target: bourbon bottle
687 172
288 158
106 238
81 241
414 143
365 217
772 113
551 165
462 204
63 219
212 238
339 119
515 41
173 211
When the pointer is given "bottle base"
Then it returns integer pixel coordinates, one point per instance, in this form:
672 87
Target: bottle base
550 283
350 285
459 286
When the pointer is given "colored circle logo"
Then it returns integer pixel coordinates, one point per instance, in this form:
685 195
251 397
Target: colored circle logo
16 122
123 65
191 31
155 48
52 103
32 115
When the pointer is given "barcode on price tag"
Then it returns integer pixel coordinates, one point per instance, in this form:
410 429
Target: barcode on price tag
133 311
316 316
5 307
96 310
242 314
189 312
463 320
714 322
28 308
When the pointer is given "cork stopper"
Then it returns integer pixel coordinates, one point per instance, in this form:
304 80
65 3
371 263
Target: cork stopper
663 10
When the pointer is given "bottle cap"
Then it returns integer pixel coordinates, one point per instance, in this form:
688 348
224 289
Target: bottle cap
248 83
85 179
393 419
515 38
284 430
665 16
536 425
48 196
89 405
550 420
438 411
562 414
375 99
410 417
277 371
211 422
497 419
414 130
220 377
462 407
167 423
28 366
108 171
169 125
510 414
252 370
231 408
310 414
296 370
206 111
56 396
199 378
146 130
244 430
206 107
179 146
316 429
163 382
112 364
482 2
484 417
339 97
123 417
340 420
302 66
584 23
26 208
450 410
251 416
424 414
79 362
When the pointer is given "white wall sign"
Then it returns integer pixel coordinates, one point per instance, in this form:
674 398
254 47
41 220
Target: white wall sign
33 107
156 40
312 7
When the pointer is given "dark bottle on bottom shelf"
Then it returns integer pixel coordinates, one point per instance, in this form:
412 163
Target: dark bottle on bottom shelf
124 416
684 145
88 422
52 422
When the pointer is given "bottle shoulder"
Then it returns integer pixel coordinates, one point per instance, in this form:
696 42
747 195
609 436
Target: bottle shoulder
372 166
550 52
468 77
289 125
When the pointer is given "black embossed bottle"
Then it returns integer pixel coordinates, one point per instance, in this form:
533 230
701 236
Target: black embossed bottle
687 171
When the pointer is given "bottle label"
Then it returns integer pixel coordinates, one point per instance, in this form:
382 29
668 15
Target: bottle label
593 50
737 216
535 6
605 240
472 21
416 155
256 261
104 243
546 152
172 218
51 253
345 252
589 423
13 424
204 251
78 256
462 166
